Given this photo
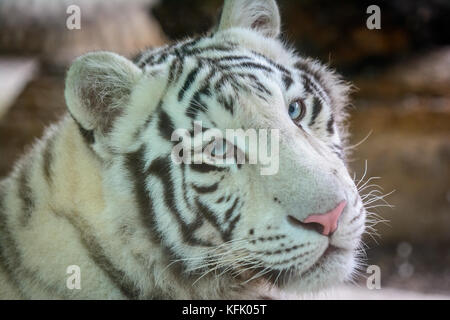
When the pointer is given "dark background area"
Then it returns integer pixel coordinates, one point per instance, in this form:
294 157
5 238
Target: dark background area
333 31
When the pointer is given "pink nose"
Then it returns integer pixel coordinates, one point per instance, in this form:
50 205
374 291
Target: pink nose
329 220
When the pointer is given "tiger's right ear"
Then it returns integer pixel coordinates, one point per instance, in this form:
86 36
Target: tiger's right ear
98 89
261 16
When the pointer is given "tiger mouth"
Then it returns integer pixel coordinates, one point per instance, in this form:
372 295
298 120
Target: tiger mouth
329 253
280 278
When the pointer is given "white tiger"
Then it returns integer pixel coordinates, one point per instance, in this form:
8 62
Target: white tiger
100 191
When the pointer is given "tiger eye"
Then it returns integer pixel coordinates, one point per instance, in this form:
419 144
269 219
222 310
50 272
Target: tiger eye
297 110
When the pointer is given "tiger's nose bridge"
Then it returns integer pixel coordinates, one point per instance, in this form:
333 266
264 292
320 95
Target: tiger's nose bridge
328 220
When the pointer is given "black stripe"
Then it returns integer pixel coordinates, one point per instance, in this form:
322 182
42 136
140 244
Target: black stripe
212 217
258 83
10 259
175 70
310 87
330 123
274 64
337 149
317 76
228 104
195 106
138 56
287 80
224 78
251 65
189 44
190 78
206 189
165 125
230 211
206 168
47 159
306 84
134 162
162 58
183 184
205 88
339 155
12 263
317 108
161 168
229 231
198 51
98 255
228 58
25 194
150 60
88 135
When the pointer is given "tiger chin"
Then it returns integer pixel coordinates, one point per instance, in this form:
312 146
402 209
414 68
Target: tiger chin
101 194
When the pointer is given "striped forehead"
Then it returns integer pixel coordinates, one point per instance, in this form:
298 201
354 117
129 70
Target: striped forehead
215 65
223 55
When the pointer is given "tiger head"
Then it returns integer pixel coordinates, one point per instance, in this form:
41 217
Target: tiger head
299 226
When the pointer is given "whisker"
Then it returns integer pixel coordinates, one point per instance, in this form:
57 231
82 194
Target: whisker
354 146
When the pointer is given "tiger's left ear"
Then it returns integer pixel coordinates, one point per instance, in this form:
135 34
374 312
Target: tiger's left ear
260 15
98 89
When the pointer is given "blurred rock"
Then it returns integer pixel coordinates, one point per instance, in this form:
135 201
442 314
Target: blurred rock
427 266
14 75
410 150
39 28
427 74
408 110
39 105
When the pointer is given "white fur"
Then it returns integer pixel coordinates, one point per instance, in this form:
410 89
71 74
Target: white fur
262 16
92 193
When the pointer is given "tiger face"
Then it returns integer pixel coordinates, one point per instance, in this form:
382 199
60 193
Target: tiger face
297 228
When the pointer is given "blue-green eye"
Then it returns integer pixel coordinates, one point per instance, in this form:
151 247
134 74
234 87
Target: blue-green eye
220 148
297 110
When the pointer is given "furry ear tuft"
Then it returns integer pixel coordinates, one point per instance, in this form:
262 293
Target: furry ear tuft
260 15
98 88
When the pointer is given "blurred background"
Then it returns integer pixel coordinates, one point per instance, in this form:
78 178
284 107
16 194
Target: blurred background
400 117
